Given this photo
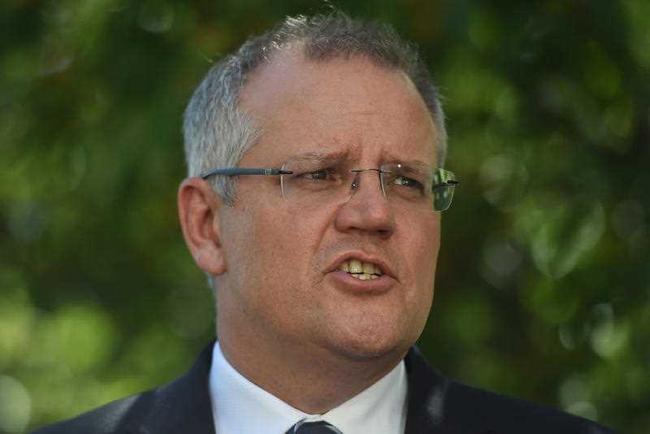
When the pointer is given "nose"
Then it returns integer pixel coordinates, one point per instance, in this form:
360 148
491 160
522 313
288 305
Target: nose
367 210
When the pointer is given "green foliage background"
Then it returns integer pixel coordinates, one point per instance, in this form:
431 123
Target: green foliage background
543 289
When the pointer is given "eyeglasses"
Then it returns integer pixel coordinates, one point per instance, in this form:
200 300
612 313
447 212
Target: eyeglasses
313 180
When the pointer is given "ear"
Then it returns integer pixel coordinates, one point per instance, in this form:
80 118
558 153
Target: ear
198 210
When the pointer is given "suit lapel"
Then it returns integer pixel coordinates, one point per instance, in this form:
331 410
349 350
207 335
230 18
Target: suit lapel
180 407
426 396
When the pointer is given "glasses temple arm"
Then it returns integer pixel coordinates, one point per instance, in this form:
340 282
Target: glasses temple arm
238 171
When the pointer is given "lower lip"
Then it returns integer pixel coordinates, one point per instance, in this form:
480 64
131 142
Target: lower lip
345 281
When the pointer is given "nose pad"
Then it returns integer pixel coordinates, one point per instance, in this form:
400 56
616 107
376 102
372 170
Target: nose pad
356 181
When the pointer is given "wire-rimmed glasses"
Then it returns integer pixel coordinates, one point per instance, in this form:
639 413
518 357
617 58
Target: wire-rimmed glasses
313 180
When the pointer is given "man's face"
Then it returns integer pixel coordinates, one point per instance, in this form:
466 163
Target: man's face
282 280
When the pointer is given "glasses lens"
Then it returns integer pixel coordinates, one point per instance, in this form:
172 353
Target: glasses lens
313 180
407 183
316 181
444 183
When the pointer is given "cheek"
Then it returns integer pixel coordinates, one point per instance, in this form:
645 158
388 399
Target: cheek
255 284
421 254
282 250
239 249
284 295
422 243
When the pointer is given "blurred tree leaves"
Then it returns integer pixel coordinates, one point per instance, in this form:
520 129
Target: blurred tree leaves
543 290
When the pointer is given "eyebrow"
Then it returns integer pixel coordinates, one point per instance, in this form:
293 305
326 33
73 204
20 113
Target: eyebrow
337 156
409 163
321 156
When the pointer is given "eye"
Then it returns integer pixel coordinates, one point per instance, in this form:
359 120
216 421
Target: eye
405 181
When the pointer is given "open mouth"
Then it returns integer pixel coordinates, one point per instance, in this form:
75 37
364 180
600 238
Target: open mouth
361 270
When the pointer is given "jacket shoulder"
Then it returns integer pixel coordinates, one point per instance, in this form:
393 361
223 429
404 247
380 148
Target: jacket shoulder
504 414
442 405
111 418
178 407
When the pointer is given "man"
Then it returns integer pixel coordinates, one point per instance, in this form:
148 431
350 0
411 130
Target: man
313 204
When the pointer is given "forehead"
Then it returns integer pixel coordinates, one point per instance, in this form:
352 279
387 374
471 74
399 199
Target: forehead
340 104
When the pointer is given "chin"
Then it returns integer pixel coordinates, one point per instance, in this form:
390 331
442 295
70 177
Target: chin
371 328
365 345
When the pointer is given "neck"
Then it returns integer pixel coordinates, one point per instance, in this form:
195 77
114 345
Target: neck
309 378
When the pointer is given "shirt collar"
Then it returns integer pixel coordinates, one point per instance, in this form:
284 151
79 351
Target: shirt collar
238 405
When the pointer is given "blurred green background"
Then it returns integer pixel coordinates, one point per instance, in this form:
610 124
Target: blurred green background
543 290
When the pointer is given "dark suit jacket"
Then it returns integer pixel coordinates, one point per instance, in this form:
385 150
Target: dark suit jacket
436 405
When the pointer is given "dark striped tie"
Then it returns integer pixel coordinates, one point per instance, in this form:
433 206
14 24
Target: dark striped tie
320 427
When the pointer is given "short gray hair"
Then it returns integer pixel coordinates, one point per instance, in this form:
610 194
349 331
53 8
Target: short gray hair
217 133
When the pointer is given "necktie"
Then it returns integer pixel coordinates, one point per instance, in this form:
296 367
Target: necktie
320 427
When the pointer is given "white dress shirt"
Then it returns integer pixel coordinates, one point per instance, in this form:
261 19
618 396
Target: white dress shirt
241 407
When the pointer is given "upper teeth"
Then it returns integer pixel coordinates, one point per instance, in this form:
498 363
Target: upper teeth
363 270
